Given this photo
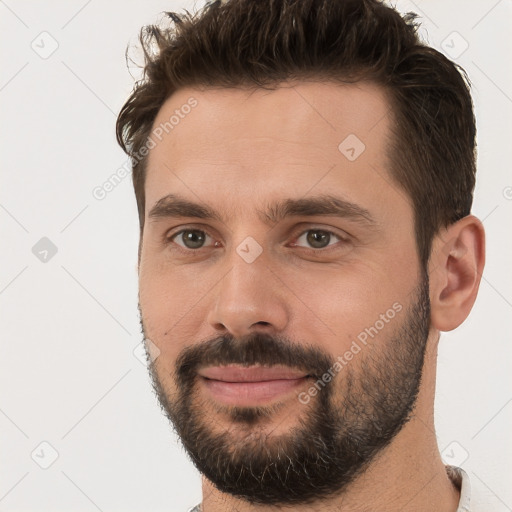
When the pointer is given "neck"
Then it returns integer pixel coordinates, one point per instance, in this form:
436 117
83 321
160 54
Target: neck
408 475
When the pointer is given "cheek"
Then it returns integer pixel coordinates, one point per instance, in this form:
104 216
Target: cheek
172 306
348 302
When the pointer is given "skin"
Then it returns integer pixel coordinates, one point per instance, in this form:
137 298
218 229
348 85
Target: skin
236 151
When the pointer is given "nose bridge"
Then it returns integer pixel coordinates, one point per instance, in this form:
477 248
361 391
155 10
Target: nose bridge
248 294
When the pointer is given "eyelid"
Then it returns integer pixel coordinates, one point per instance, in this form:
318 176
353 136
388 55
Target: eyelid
342 235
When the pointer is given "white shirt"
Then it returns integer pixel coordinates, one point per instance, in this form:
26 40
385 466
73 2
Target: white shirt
475 496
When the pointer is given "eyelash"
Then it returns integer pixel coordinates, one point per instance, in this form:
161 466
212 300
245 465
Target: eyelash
169 239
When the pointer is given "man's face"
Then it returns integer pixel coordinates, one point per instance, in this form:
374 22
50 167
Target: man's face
254 308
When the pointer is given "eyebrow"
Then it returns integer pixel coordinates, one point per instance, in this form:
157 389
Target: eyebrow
173 205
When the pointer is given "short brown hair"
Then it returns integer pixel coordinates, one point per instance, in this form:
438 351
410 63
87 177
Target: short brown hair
248 43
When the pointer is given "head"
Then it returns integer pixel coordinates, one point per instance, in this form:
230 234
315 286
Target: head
289 160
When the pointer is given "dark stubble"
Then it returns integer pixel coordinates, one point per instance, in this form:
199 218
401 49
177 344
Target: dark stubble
335 436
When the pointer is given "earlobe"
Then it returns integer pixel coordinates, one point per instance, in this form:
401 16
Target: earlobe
455 267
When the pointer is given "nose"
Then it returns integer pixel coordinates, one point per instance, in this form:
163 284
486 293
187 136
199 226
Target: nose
249 297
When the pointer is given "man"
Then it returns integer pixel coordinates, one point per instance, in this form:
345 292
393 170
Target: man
304 173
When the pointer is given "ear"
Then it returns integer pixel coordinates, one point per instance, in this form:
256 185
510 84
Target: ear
455 269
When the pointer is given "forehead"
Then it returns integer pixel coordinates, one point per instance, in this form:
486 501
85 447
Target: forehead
318 112
236 145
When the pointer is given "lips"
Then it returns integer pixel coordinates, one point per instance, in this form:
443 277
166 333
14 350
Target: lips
250 374
249 386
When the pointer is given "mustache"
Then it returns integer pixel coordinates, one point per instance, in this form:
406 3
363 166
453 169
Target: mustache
253 349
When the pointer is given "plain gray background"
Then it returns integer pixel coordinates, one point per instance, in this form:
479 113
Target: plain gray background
69 373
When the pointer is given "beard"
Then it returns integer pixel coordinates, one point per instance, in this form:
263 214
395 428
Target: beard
334 437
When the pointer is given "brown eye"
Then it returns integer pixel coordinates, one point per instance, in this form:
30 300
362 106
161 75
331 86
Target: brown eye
317 238
190 238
